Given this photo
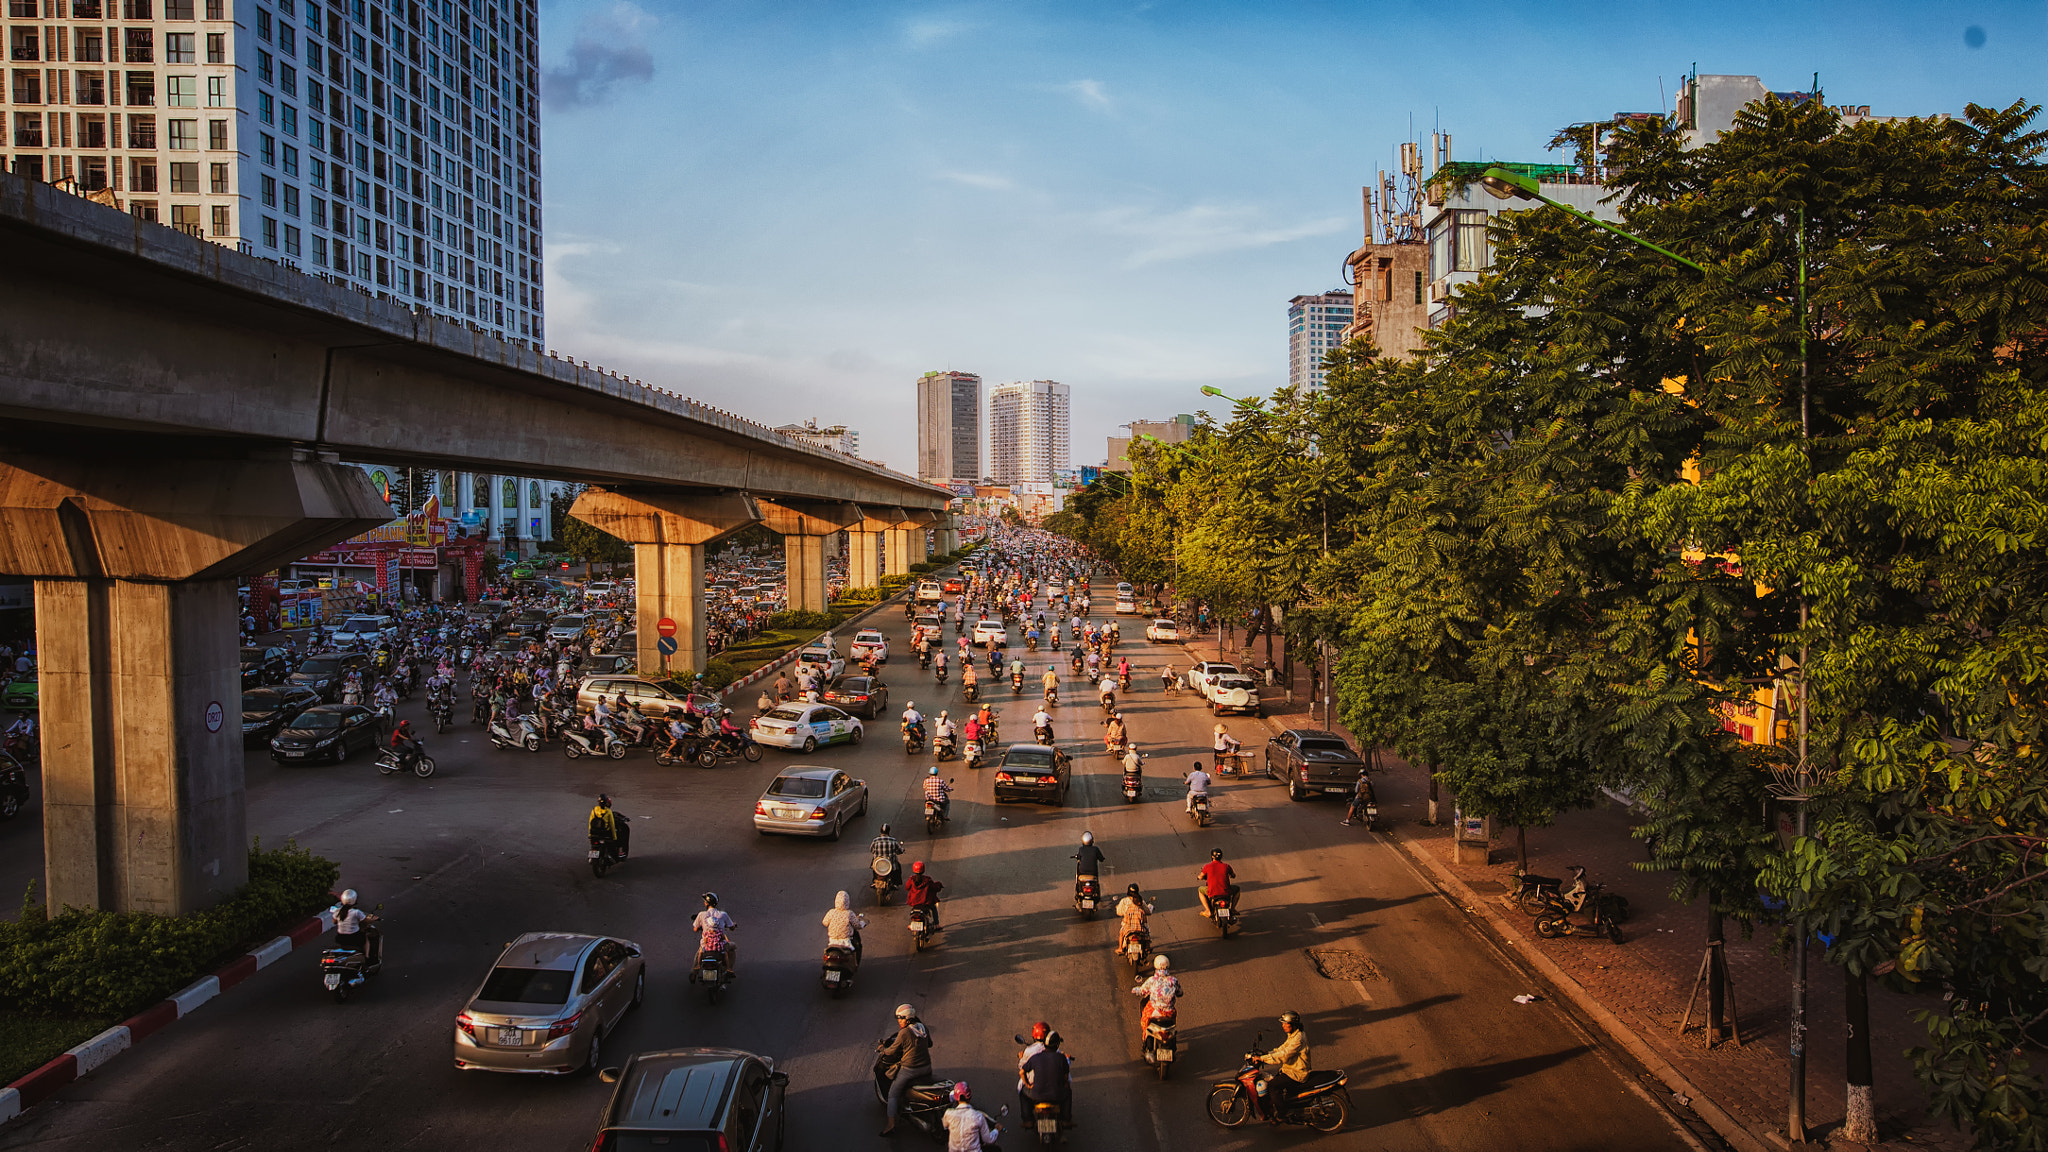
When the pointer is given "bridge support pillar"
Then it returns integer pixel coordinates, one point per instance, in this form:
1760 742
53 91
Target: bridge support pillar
669 532
896 559
809 528
134 563
908 534
867 546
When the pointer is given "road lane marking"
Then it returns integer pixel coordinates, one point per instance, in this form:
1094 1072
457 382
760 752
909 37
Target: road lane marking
1362 993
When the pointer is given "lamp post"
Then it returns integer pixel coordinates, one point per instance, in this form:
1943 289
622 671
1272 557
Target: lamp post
1505 185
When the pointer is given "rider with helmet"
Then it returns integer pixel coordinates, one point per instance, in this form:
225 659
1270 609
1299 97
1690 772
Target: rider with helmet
714 930
1132 910
968 1129
921 891
608 826
937 789
353 931
1290 1064
1216 877
1160 990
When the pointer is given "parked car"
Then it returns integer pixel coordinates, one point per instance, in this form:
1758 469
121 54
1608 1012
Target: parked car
864 695
326 673
547 1003
1233 692
1033 772
265 665
810 802
694 1098
869 642
21 693
566 628
1312 762
326 732
1206 670
825 662
268 711
1163 632
991 633
368 631
653 696
805 726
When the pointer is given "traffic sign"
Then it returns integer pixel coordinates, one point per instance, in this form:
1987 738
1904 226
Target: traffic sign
213 716
667 645
665 626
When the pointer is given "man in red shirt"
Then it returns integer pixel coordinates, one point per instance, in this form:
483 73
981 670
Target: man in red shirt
1216 879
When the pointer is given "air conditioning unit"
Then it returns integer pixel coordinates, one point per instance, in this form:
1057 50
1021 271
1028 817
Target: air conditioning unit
1440 291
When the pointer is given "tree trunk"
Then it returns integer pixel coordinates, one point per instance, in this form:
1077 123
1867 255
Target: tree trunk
1859 1120
1717 986
1432 795
1521 848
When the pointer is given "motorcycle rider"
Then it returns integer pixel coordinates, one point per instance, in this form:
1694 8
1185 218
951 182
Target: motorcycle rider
843 925
1016 671
971 731
887 847
1041 725
1290 1066
679 730
353 931
1160 990
921 891
1134 764
1089 858
1132 911
1051 680
937 789
407 745
1198 785
967 677
1216 877
939 666
968 1129
944 732
913 720
1361 799
610 827
1048 1080
714 933
1114 734
730 734
905 1060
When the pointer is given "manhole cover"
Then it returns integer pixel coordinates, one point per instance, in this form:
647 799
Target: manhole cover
1340 964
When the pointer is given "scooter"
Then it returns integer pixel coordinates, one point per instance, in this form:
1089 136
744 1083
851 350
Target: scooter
841 962
1223 910
1322 1104
924 1107
1052 697
971 690
711 971
1087 895
973 754
921 928
945 748
389 762
1044 734
723 747
1558 920
913 739
1200 815
604 856
443 712
888 875
924 657
941 674
1138 946
1108 703
343 972
1134 787
933 816
1016 682
1162 1042
524 736
580 741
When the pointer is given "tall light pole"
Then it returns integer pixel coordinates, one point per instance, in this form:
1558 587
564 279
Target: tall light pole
1505 184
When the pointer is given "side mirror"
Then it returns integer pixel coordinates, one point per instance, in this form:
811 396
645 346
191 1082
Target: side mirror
779 1079
611 1075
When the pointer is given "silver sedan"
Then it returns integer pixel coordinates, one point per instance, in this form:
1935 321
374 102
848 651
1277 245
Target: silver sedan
810 802
548 1002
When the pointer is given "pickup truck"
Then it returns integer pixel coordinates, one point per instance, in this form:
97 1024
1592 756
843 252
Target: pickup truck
1312 762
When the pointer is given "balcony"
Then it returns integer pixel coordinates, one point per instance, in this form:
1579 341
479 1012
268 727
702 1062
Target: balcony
192 230
24 51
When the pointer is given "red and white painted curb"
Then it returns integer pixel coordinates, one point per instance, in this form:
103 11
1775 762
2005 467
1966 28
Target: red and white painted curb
44 1082
786 657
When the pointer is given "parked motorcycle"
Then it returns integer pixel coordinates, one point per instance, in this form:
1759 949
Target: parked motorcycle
1602 912
1323 1104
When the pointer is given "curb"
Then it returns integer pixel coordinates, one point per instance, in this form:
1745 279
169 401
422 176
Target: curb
760 673
1726 1126
44 1082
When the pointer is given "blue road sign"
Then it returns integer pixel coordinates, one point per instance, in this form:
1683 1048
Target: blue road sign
666 645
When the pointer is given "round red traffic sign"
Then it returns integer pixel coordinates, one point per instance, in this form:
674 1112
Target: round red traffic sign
665 626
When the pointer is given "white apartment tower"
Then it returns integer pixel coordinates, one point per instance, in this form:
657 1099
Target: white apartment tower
1028 434
391 145
1315 327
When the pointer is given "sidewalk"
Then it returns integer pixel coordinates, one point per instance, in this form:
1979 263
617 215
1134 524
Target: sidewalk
1639 988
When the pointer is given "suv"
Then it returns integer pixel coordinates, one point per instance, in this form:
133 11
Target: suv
1206 671
365 630
694 1098
326 672
1232 692
928 592
653 697
566 628
1312 762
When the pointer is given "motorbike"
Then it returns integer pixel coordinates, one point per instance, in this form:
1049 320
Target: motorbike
1031 641
388 762
1052 697
924 1108
1162 1042
1200 815
344 972
683 751
1045 1121
1123 681
726 747
921 928
580 741
1055 639
1016 683
888 875
443 712
710 970
924 658
1223 910
913 739
1366 810
1138 946
945 747
1322 1104
973 755
1087 895
971 690
604 856
1044 734
1134 787
1605 911
841 962
518 734
1108 703
932 816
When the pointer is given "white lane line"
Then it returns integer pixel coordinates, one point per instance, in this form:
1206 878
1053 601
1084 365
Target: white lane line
1362 993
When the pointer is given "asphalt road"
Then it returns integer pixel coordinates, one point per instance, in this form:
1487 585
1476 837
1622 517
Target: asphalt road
1439 1055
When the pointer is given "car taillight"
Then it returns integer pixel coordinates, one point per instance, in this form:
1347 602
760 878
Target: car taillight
760 808
561 1028
817 814
467 1023
1002 777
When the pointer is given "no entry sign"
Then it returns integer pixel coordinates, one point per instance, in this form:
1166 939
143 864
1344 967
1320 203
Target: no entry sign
665 626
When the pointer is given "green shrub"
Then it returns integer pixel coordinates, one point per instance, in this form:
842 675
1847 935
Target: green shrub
802 620
89 961
894 583
719 673
922 567
859 595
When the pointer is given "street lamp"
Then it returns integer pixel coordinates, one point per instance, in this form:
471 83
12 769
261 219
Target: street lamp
1219 394
1503 184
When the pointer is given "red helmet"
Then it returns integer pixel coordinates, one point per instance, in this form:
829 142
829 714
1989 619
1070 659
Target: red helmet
1040 1029
917 866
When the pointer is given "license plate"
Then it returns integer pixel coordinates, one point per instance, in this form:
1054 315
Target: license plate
509 1037
294 754
1164 1054
831 977
333 980
1223 913
1336 789
1087 903
1048 1126
593 853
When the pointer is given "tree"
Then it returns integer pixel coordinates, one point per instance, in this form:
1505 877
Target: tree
594 544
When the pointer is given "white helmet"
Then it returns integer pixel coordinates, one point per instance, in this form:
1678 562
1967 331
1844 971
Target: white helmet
1159 963
1087 837
348 898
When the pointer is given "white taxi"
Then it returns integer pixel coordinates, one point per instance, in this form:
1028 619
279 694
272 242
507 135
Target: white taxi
869 642
802 727
991 633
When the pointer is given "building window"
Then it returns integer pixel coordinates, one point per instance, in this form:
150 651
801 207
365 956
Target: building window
144 209
291 160
90 87
87 42
141 91
266 108
291 200
269 232
185 178
179 48
28 87
184 135
511 494
290 120
181 91
177 9
216 44
533 492
185 218
319 249
136 10
263 66
269 186
219 179
142 176
139 44
216 91
291 240
217 135
266 148
263 25
223 220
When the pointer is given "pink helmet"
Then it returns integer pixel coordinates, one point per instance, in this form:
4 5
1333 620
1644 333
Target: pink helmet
960 1093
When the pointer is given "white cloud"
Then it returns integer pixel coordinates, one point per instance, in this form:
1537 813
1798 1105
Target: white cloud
1089 92
987 180
1203 230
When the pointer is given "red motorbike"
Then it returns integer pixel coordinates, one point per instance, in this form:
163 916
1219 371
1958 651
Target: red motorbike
1321 1104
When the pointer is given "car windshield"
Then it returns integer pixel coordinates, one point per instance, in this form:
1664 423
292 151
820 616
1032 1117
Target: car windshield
321 666
1233 682
784 713
802 787
869 637
360 624
854 684
260 701
1041 761
675 688
526 986
318 720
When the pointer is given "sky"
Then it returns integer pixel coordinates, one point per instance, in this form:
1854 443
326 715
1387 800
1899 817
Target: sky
792 209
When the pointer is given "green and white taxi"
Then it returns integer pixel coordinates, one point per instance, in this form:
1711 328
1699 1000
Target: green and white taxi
803 727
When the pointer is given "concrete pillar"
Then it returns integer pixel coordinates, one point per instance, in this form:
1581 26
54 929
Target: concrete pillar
669 532
908 537
135 564
895 552
808 527
867 553
945 538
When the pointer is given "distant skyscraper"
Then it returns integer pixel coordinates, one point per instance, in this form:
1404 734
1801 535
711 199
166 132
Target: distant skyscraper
1315 327
1027 425
949 426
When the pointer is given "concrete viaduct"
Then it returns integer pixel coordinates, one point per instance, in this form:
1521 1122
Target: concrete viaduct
173 415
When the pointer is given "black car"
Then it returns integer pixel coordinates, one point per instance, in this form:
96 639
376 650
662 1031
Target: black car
266 711
1313 762
325 674
1033 772
262 666
326 732
607 664
694 1099
862 695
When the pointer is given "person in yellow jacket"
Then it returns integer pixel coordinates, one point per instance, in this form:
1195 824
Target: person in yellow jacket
1290 1066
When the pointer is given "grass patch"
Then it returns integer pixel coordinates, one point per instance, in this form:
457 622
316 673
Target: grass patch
29 1042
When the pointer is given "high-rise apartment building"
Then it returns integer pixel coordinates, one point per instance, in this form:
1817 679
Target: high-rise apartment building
391 145
1174 431
1028 432
949 427
1315 327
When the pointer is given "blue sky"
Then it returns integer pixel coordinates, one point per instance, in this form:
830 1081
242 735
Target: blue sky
793 209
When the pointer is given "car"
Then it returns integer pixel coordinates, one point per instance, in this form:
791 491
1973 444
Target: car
326 673
1035 772
326 732
991 633
1312 762
509 643
366 630
1233 692
869 642
608 663
531 622
599 587
865 695
927 624
1207 670
953 586
21 693
810 801
1126 605
1163 632
1124 588
805 726
823 661
654 696
547 1003
567 628
623 642
265 665
268 711
694 1098
929 592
